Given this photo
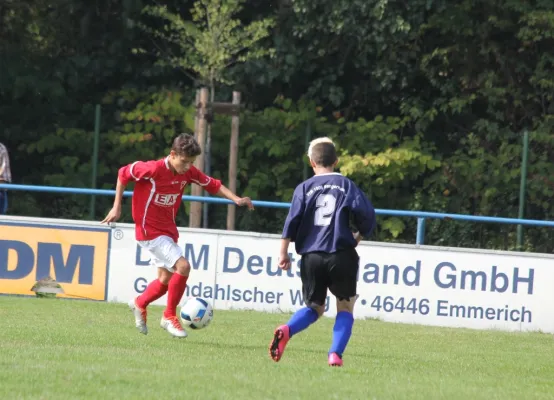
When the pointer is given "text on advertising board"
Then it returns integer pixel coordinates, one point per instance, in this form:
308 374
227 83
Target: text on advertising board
77 258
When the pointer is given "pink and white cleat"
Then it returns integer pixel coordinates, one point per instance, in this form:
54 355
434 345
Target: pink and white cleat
173 326
281 337
335 360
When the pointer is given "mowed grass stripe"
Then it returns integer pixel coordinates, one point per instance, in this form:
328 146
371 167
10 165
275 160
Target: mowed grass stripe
61 349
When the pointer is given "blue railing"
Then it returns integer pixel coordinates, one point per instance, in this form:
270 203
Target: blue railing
420 215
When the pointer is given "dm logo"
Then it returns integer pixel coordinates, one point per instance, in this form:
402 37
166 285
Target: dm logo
77 258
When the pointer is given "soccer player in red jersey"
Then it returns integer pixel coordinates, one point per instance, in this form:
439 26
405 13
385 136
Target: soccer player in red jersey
159 186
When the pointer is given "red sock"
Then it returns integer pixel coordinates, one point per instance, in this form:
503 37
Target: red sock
153 292
177 285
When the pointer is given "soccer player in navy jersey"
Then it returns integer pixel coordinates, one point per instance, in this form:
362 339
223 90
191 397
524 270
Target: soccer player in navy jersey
159 186
319 224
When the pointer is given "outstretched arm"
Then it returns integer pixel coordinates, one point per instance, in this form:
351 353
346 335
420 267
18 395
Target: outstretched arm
135 171
239 201
115 212
214 186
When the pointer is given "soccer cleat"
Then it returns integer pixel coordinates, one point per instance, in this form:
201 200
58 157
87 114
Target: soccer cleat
281 337
335 360
140 317
173 326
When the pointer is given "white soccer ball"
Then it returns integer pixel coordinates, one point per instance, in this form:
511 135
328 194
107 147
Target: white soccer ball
196 313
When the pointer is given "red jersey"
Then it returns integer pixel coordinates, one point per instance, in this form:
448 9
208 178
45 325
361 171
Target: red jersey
157 195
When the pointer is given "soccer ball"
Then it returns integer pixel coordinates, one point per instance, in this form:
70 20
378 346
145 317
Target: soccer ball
196 313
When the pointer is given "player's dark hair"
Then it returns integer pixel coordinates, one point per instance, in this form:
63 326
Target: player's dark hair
186 145
324 154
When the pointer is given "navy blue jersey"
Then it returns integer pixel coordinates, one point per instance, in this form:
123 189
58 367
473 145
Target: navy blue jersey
320 214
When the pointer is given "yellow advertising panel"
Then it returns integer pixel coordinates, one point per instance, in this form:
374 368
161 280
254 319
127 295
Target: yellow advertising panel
77 258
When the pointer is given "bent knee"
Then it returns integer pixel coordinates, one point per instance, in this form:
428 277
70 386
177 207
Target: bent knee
182 267
346 304
164 275
319 309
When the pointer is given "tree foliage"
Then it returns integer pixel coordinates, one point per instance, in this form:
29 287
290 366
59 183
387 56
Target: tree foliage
427 100
210 42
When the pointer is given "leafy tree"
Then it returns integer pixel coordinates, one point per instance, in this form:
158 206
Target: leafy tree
427 100
208 44
487 78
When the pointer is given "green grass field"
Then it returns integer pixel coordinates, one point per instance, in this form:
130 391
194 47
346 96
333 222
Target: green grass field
59 349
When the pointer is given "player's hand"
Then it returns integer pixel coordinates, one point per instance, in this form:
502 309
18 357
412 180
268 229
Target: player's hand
357 237
284 261
245 201
113 215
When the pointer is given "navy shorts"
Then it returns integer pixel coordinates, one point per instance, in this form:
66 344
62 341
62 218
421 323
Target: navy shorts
337 272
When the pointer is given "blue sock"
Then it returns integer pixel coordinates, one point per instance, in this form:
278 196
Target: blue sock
341 332
301 320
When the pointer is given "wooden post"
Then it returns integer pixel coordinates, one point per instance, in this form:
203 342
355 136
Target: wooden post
207 171
233 158
200 123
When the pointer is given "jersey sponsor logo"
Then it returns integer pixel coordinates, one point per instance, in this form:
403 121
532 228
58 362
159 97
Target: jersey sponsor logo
77 258
166 200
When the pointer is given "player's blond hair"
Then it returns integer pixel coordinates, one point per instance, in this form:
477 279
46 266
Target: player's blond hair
318 141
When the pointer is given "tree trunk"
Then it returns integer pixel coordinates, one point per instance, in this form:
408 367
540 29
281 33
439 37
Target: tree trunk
233 159
195 206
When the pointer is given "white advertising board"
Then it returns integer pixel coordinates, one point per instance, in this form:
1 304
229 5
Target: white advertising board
399 283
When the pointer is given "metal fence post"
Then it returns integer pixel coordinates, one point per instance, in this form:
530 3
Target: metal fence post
420 237
95 160
522 185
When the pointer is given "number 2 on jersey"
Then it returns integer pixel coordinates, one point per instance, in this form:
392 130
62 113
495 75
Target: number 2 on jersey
325 204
